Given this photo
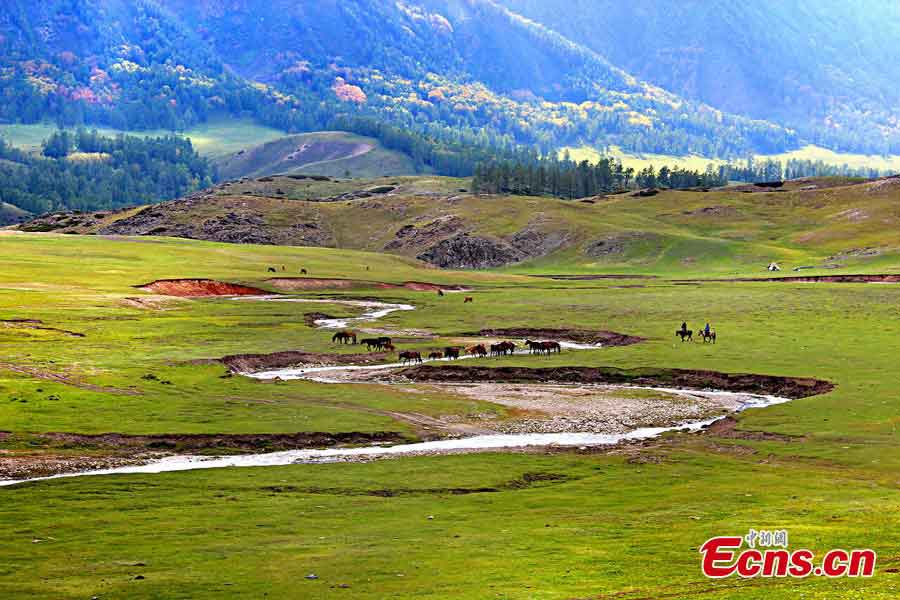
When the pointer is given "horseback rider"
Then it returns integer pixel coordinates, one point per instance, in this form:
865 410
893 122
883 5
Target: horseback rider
684 326
706 330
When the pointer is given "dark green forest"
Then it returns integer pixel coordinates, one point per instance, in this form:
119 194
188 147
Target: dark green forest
85 171
568 179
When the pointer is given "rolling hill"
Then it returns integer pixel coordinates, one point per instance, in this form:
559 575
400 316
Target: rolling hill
331 153
821 224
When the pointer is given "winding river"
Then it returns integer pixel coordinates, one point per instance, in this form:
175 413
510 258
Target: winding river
373 311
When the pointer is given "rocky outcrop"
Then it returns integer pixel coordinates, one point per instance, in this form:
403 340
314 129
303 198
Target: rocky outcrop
238 226
412 236
465 251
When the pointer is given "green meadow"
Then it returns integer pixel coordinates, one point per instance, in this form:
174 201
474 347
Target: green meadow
545 524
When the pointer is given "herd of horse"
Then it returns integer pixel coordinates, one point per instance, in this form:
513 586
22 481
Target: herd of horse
506 348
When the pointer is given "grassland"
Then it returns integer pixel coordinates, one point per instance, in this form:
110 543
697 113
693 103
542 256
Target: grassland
216 138
830 225
593 525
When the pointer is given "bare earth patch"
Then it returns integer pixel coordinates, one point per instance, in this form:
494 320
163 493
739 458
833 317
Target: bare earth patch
597 409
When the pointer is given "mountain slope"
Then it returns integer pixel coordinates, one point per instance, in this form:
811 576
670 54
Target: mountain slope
825 67
464 71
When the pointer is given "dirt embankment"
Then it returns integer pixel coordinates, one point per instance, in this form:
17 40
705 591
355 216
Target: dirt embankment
109 450
250 363
582 336
317 283
199 442
881 278
784 387
38 325
196 288
594 277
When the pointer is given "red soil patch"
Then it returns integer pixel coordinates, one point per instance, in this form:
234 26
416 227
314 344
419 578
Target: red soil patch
318 283
194 288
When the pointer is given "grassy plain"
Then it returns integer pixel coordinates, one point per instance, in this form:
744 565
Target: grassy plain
593 525
215 138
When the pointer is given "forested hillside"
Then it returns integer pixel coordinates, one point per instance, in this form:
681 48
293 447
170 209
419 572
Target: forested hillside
457 72
826 68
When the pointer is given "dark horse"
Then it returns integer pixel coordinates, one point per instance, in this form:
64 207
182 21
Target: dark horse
344 337
708 338
685 334
414 357
376 343
451 352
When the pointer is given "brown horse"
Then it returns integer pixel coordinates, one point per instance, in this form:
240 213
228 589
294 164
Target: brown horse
468 299
451 352
440 293
435 356
550 347
407 357
508 347
389 348
478 350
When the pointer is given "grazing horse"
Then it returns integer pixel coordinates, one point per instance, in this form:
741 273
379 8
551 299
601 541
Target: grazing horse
451 353
376 343
272 270
303 271
406 357
435 356
478 350
508 347
550 347
389 348
344 337
441 293
468 299
502 349
534 347
709 338
684 334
